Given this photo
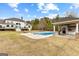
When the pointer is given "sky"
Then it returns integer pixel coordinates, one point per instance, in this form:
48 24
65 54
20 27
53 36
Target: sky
30 11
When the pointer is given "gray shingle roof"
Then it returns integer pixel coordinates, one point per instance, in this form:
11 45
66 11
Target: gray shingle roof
15 19
64 19
2 21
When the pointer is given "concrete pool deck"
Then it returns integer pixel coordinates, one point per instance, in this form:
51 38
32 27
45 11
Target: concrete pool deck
33 36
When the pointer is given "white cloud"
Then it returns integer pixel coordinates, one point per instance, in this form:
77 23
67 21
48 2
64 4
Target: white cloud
40 6
44 11
40 17
71 7
3 17
74 5
26 10
52 16
28 16
14 6
32 4
47 7
15 9
34 16
52 7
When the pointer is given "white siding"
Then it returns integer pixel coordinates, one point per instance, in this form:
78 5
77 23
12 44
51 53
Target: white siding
3 25
14 22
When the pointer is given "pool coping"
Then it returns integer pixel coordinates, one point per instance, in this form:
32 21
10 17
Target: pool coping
32 36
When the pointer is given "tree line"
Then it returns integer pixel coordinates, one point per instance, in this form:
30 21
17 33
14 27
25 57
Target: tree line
42 24
45 23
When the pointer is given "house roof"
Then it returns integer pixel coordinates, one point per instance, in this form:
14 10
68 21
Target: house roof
15 19
65 20
2 21
29 22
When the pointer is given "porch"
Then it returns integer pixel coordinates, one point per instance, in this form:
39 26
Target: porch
67 28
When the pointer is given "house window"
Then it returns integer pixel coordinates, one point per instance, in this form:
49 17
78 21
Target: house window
0 26
11 25
7 25
18 24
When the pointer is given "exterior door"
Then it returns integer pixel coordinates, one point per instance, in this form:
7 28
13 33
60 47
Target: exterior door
18 27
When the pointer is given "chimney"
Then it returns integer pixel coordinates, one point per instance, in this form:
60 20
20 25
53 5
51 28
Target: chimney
21 18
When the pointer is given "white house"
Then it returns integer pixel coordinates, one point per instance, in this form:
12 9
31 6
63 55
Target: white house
14 24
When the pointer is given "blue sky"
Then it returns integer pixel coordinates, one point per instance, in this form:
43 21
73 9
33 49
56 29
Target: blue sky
30 11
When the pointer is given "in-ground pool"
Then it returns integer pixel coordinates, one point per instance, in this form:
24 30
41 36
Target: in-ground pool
43 33
39 35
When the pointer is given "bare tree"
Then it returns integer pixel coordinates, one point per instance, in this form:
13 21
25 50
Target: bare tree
71 14
57 17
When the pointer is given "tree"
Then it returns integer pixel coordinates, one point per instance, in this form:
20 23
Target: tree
35 23
47 23
57 17
71 14
42 24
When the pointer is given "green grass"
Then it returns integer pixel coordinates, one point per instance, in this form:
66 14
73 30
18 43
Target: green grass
15 44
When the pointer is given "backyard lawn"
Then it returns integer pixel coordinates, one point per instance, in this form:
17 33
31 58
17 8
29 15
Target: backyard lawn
12 43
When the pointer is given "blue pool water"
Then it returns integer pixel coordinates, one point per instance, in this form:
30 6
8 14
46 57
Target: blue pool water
44 33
